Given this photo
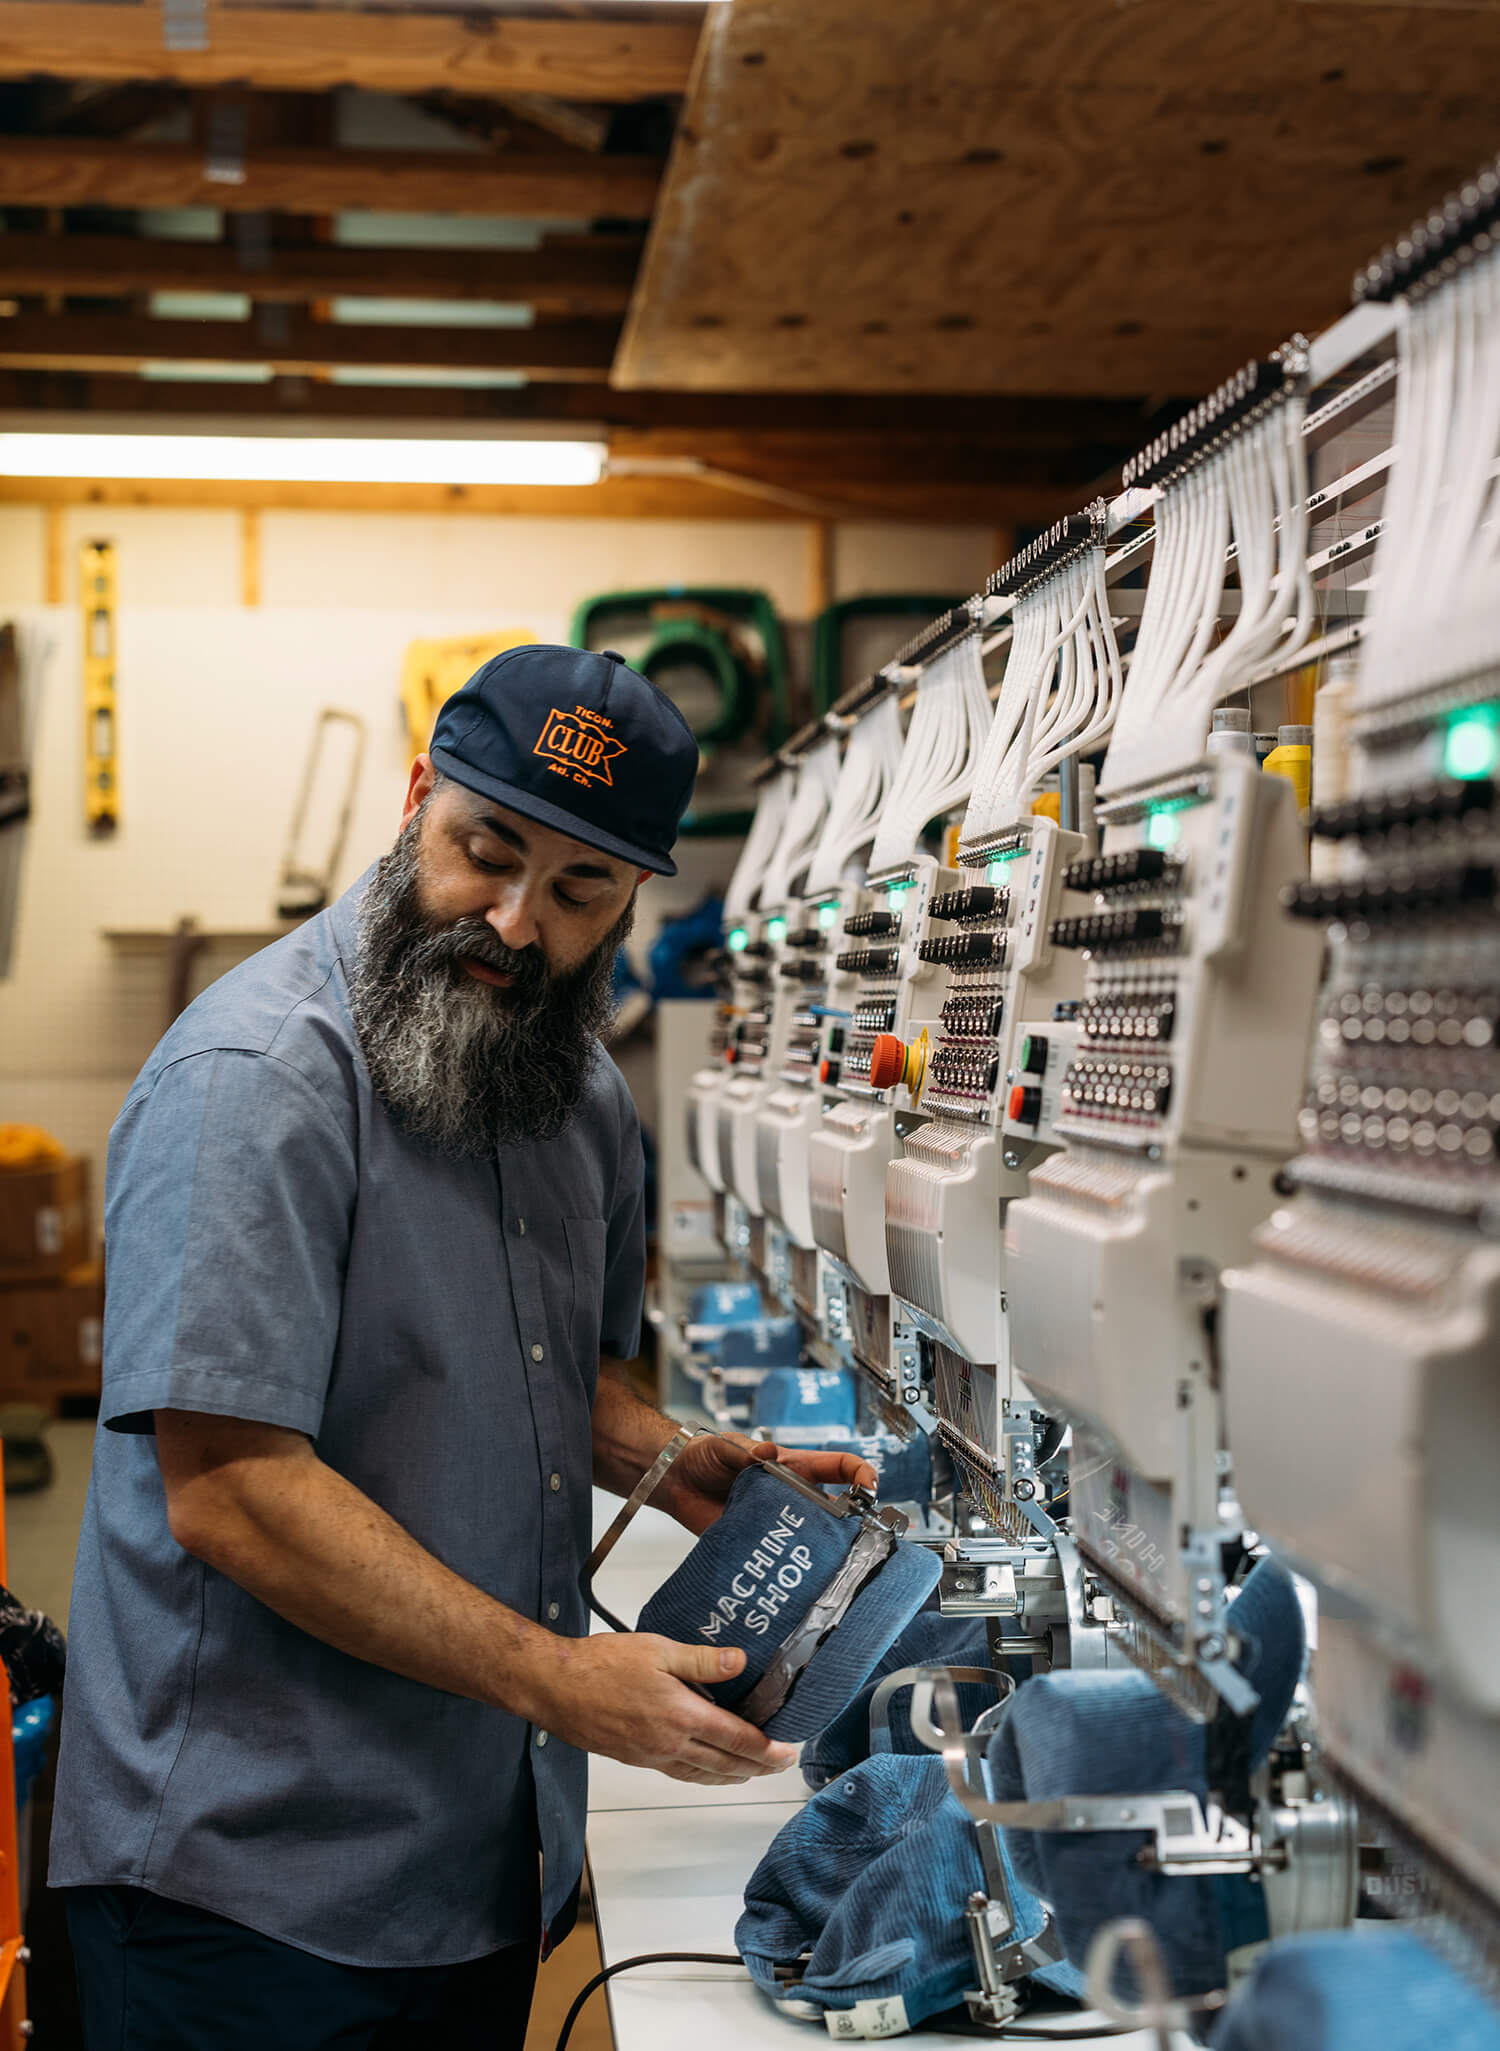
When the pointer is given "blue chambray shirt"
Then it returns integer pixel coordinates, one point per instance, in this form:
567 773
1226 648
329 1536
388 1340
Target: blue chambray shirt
279 1251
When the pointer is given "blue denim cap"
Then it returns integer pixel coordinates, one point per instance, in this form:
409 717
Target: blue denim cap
1115 1733
577 741
871 1879
815 1403
930 1639
753 1578
1356 1990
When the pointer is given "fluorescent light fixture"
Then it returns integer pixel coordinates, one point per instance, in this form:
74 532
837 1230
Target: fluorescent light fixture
432 313
295 459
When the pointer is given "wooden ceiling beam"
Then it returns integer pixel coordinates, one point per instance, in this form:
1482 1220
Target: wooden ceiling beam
393 50
711 497
47 171
575 349
620 498
580 274
907 425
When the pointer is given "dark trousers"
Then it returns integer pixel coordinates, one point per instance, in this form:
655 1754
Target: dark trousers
154 1975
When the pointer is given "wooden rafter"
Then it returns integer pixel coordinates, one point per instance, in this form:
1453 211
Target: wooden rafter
677 494
1089 433
56 172
296 347
391 51
925 459
291 345
581 274
630 498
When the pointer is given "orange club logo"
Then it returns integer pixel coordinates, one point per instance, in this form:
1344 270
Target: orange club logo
579 744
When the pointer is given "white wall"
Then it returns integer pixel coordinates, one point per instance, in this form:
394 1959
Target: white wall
217 705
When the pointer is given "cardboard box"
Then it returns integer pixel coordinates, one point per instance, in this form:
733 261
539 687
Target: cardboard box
44 1221
51 1338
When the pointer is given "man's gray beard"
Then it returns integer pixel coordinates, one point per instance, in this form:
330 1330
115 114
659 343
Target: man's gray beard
461 1065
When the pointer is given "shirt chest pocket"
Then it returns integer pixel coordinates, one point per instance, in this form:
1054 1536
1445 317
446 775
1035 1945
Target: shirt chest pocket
584 1244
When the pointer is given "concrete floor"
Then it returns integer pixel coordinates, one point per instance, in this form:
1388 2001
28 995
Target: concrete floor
42 1538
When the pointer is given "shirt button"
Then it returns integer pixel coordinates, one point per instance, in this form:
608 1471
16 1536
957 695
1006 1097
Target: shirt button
553 1613
521 1227
541 1737
536 1352
555 1483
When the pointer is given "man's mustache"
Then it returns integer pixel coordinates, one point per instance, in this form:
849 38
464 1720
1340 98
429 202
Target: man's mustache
474 939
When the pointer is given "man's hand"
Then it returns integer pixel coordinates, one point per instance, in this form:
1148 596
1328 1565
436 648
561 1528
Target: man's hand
629 1698
698 1482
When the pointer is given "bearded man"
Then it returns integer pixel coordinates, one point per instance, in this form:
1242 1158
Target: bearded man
374 1213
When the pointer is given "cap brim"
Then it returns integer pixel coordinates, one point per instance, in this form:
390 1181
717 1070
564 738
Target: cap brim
556 816
844 1662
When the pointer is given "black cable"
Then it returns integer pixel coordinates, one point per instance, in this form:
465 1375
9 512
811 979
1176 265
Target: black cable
732 1958
1009 2030
646 1958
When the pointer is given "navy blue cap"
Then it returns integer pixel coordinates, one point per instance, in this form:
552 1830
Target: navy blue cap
577 741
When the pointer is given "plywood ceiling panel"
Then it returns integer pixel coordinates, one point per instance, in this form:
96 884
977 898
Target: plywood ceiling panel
1065 196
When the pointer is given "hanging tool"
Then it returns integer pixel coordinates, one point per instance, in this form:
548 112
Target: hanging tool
101 775
304 889
15 790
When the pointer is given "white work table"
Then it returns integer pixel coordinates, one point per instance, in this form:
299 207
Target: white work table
668 1863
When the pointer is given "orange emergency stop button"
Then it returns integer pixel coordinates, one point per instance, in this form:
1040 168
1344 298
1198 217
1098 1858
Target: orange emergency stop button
887 1061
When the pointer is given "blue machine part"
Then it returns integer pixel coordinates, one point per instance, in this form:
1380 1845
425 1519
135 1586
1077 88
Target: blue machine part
696 934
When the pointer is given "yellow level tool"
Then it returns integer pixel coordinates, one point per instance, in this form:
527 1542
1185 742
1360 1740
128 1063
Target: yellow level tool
101 772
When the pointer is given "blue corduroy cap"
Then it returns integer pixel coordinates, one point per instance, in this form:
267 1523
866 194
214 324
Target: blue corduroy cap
1115 1733
767 1343
863 1893
753 1580
577 741
930 1639
805 1406
1356 1990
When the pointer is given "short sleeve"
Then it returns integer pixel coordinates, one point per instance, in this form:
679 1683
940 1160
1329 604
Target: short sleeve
230 1199
625 1243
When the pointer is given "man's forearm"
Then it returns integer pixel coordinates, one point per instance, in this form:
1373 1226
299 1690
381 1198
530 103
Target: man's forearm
256 1503
270 1515
628 1434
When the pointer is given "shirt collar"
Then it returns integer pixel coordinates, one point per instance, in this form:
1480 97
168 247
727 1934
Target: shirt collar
343 919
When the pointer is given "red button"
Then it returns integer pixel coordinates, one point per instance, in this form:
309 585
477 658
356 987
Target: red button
1017 1102
887 1061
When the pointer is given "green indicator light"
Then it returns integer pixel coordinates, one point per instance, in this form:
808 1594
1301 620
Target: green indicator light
1471 746
896 892
828 915
1163 830
997 863
776 929
737 940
